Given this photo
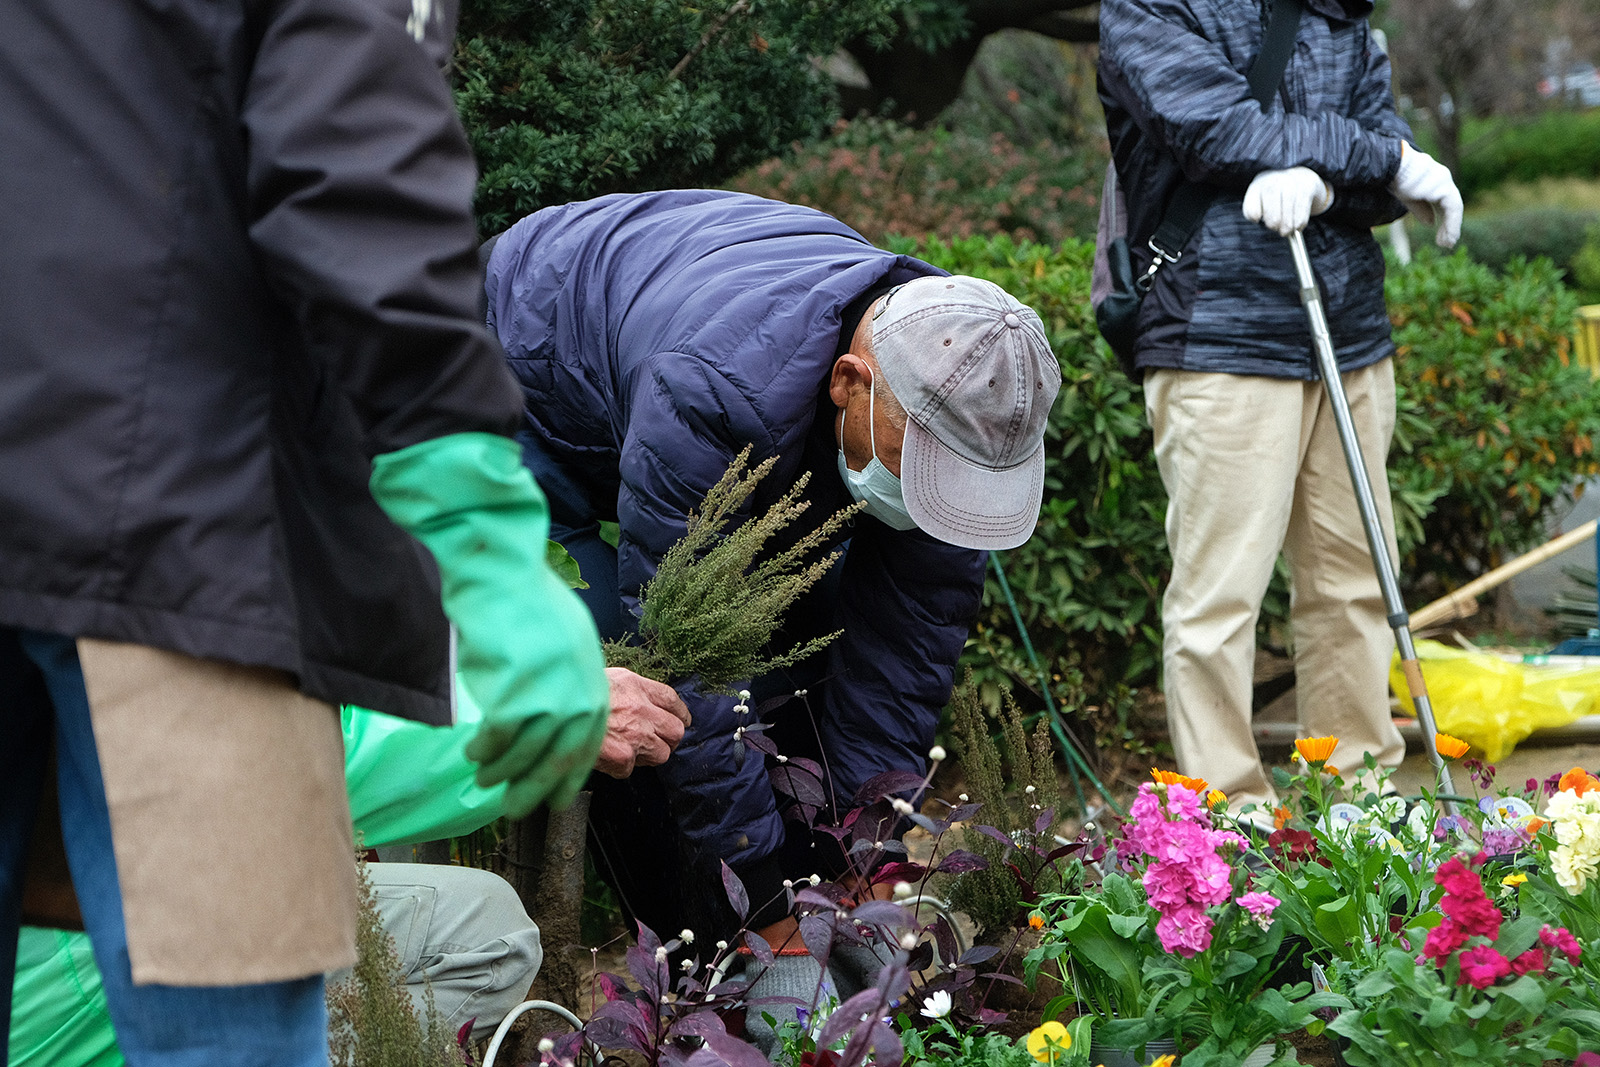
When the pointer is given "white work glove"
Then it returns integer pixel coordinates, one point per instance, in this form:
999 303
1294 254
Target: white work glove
1425 187
1284 200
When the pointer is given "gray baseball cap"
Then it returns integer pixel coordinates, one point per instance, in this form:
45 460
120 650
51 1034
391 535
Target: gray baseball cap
976 375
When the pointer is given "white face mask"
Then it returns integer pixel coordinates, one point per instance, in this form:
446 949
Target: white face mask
874 485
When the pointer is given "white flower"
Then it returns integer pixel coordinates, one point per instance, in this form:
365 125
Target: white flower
546 1046
744 694
801 692
788 883
878 845
1030 790
722 946
686 936
740 709
936 753
908 941
661 954
902 806
963 798
782 758
686 966
902 890
938 1005
816 879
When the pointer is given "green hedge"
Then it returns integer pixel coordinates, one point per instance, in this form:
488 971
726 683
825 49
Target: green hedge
1494 423
1557 144
885 179
1496 238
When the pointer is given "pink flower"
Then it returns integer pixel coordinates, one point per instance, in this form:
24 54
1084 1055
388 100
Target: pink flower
1560 939
1260 905
1482 966
1530 962
1185 930
1443 940
1465 901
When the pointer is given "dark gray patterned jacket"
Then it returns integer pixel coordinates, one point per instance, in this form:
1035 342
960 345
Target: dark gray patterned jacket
1172 81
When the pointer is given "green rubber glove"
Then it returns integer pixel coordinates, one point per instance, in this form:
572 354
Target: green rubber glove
527 649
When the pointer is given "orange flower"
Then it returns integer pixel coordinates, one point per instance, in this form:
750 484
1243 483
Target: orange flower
1316 750
1216 799
1036 921
1166 1059
1536 824
1174 778
1450 747
1579 781
1280 817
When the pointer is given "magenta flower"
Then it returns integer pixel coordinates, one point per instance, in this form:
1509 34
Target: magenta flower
1482 966
1442 941
1560 939
1530 962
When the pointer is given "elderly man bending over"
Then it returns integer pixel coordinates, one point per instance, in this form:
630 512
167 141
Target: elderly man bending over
655 336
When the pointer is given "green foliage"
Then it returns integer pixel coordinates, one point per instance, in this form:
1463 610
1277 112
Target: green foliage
717 598
1585 272
1496 238
371 1019
1555 144
992 896
1496 421
568 99
885 179
944 1045
1088 583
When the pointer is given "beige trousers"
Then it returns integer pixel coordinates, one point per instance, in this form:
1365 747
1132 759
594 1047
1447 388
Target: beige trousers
229 817
1252 466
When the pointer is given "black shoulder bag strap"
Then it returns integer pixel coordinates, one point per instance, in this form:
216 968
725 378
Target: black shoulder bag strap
1189 202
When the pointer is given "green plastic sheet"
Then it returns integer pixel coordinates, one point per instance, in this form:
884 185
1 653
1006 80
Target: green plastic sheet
407 782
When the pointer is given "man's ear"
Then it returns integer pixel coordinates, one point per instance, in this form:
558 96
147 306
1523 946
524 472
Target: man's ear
850 374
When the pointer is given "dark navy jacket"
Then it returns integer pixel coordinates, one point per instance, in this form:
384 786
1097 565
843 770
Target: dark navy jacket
1172 80
656 335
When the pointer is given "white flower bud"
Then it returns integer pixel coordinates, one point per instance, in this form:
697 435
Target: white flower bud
782 758
801 692
722 946
936 753
902 806
546 1046
1030 790
902 890
661 954
908 941
686 936
816 879
686 966
878 845
740 709
788 883
744 694
963 798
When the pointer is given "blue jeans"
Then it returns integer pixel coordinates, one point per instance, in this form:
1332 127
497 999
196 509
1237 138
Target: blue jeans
277 1024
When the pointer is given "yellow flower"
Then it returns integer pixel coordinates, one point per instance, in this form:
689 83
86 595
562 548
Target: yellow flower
1036 921
1174 778
1048 1042
1166 1060
1316 750
1450 747
1514 880
1216 799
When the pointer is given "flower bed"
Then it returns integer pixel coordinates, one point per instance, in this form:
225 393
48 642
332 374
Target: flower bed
1411 930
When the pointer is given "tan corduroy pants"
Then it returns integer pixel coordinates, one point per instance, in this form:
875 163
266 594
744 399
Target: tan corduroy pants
1252 466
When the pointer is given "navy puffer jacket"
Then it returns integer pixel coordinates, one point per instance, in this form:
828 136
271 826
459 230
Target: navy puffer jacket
655 335
1173 84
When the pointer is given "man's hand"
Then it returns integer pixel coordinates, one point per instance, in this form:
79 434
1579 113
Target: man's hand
1426 188
647 722
1284 200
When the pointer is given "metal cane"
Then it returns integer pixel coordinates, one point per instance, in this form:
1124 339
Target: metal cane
1399 620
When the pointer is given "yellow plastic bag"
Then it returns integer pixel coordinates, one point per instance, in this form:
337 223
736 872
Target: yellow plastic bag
1493 703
